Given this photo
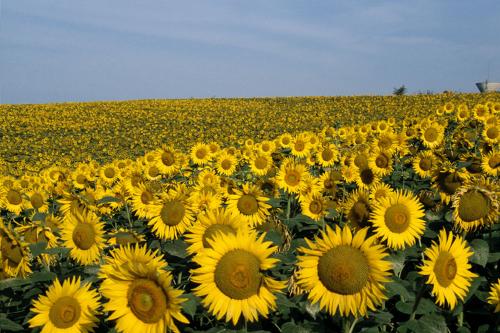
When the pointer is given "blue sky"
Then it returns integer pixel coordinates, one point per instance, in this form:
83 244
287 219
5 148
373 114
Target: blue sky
60 50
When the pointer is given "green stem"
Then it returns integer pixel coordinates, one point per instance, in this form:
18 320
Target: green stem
288 207
460 319
417 301
354 322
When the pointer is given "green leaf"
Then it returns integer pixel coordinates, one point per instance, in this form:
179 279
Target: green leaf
313 309
176 248
398 262
493 257
481 251
473 287
38 217
432 323
108 199
293 328
37 248
395 288
274 236
64 251
190 305
9 325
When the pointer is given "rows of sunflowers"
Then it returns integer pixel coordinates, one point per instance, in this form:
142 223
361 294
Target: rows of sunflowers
387 223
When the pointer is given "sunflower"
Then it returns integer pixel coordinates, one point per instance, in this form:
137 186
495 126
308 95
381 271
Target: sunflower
200 154
366 178
142 299
328 182
14 255
490 163
480 112
475 205
249 204
37 200
447 180
300 146
349 174
171 216
386 141
314 205
327 156
203 201
108 173
291 176
397 219
12 199
285 140
169 161
143 200
424 163
151 171
260 164
432 135
344 272
463 113
491 134
35 232
267 147
380 162
231 277
68 307
494 295
210 223
448 269
129 253
381 190
83 235
357 209
226 164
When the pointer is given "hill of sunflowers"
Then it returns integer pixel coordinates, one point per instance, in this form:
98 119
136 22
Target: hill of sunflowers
318 214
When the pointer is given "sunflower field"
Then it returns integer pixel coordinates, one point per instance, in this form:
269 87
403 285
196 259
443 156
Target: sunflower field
319 214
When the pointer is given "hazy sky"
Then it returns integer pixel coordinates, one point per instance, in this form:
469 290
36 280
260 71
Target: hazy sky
65 50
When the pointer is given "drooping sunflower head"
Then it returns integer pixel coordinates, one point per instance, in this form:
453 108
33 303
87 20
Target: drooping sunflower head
447 268
397 219
344 272
447 181
124 237
328 182
475 205
232 279
14 255
357 209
